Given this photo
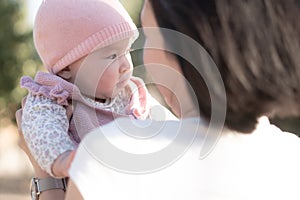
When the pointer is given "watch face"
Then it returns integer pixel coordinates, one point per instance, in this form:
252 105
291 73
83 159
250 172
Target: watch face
33 190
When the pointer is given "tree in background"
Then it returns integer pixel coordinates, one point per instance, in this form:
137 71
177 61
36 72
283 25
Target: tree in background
16 53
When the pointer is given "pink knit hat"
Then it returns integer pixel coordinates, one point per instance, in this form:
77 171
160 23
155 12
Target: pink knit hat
66 30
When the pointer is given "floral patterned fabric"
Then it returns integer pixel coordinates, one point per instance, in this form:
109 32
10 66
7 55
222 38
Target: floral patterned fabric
45 126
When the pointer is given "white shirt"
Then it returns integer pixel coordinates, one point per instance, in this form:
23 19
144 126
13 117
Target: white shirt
262 165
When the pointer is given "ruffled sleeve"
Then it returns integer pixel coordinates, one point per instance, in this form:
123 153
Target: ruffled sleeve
50 86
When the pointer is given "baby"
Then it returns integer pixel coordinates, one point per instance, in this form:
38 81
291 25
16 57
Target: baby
84 44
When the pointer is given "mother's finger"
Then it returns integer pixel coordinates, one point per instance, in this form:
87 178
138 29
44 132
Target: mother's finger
19 118
24 101
21 142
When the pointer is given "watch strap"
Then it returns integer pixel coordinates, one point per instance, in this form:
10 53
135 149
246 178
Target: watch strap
51 183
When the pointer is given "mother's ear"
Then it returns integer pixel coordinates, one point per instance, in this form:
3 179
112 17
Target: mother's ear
65 73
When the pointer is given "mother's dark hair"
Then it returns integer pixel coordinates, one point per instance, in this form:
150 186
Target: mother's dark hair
255 45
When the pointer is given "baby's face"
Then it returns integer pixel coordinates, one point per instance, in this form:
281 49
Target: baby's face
105 71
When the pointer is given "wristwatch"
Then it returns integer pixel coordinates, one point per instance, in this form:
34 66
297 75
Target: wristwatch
39 185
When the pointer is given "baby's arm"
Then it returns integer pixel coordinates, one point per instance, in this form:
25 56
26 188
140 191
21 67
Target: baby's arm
45 127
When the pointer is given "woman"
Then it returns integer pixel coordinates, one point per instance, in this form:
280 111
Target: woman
257 61
250 158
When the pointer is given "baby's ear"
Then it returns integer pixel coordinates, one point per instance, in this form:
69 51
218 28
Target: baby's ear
65 73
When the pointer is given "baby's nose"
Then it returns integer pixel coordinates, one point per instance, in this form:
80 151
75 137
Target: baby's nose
125 64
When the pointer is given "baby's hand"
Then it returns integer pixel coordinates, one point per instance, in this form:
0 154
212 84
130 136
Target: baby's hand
61 165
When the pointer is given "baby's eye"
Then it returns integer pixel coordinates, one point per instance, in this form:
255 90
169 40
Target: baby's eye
112 57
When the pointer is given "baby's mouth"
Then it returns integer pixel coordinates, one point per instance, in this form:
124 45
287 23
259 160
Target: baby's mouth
124 79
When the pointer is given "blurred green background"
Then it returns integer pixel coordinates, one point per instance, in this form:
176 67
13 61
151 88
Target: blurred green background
18 58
